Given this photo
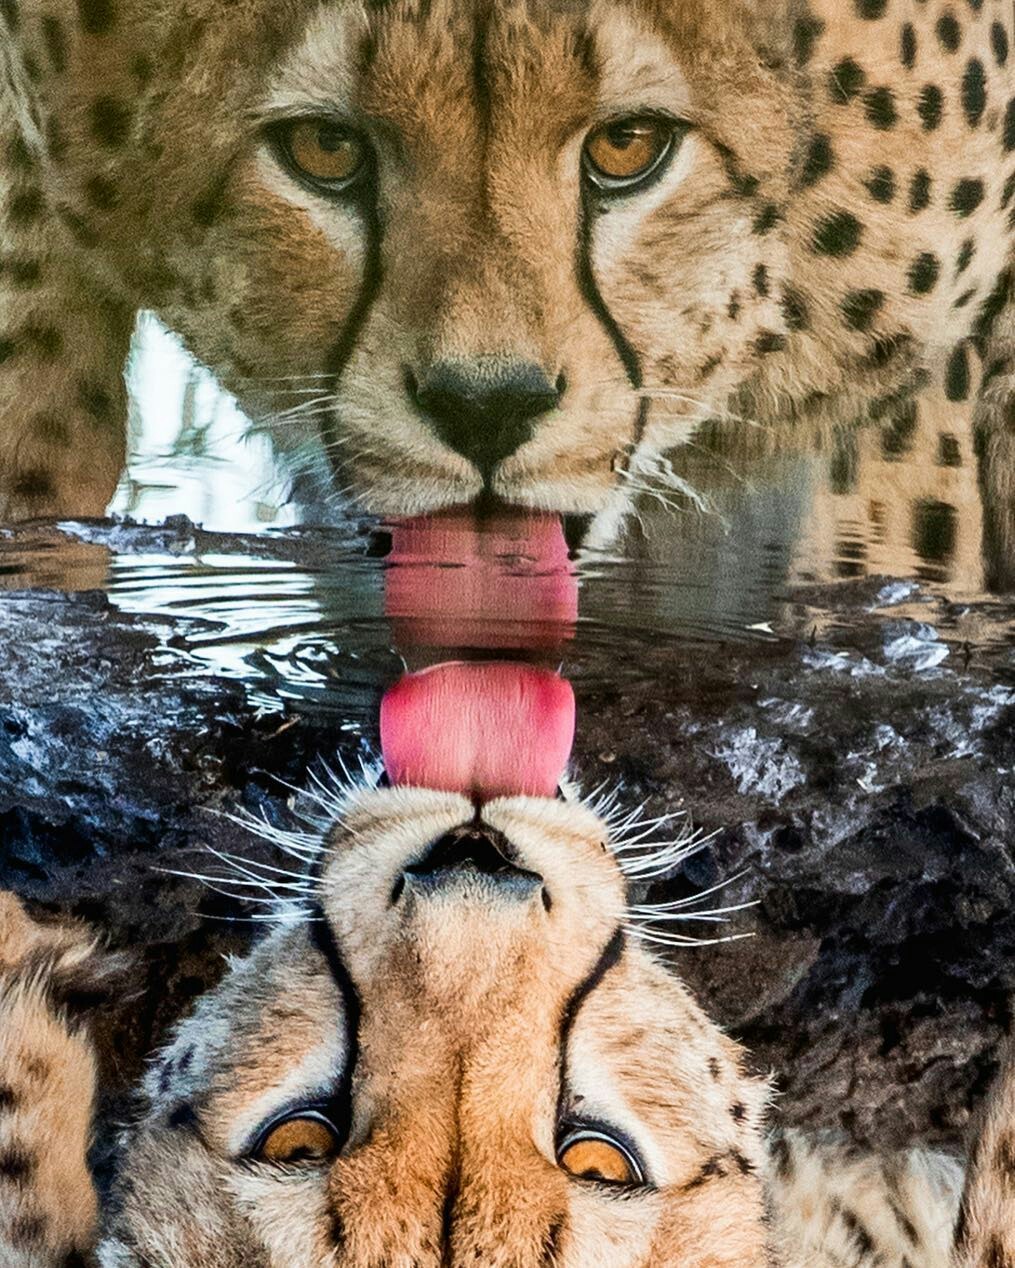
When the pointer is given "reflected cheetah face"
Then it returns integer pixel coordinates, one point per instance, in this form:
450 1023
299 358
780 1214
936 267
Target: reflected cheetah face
464 1057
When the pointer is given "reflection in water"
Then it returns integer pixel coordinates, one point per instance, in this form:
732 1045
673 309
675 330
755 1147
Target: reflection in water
897 495
311 614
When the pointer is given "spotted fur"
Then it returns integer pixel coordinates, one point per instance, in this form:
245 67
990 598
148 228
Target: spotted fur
452 1030
840 207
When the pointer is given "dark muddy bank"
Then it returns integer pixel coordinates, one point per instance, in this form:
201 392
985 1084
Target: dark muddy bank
856 764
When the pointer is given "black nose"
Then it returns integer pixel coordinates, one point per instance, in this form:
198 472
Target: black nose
473 853
484 411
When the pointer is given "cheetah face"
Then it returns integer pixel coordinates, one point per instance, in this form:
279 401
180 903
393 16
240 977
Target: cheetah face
464 1057
502 249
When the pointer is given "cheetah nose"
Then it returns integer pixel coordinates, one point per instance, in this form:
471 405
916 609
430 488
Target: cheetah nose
486 409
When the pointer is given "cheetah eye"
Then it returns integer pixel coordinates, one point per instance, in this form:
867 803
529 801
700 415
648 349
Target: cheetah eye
623 153
305 1136
589 1153
323 152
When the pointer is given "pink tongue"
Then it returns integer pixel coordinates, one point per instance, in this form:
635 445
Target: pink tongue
485 729
506 582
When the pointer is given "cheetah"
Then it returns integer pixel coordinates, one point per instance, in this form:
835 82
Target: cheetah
454 1049
518 249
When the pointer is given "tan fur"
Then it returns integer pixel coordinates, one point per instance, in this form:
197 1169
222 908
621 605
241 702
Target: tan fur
133 174
450 1008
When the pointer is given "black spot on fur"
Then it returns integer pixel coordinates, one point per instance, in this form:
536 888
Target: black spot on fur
19 157
142 69
806 30
714 1069
50 428
819 160
794 309
95 400
56 142
782 1155
46 340
919 190
56 45
1009 126
1004 1158
101 193
8 1098
879 106
923 273
110 121
993 306
710 1170
846 80
738 1111
966 196
930 107
744 185
897 436
871 9
999 43
769 341
79 228
28 1231
907 45
766 218
859 1233
957 375
182 1118
17 1165
965 256
210 206
96 16
974 91
761 280
837 234
26 207
949 454
733 307
859 308
880 184
949 32
23 271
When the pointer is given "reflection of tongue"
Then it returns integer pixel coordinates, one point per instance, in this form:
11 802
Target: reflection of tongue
504 581
484 729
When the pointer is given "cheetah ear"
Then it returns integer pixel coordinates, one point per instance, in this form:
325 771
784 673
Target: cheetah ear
63 956
79 982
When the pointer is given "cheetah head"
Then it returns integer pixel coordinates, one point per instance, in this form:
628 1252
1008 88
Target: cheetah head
462 1056
473 247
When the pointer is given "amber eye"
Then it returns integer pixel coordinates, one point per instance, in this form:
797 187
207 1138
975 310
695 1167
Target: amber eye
625 151
592 1155
305 1137
325 152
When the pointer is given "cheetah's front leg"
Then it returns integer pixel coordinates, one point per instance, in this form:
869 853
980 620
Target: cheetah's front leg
64 332
47 1086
